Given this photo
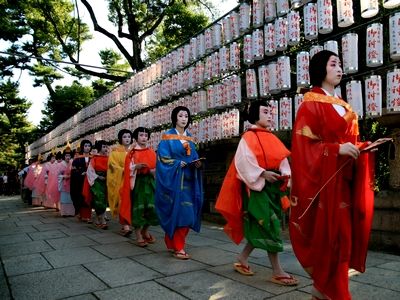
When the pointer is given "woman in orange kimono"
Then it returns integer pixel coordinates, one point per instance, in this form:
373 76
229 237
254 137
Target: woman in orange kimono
331 198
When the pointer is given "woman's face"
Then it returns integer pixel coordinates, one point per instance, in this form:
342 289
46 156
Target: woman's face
86 148
67 157
182 119
104 149
126 139
333 71
142 139
265 117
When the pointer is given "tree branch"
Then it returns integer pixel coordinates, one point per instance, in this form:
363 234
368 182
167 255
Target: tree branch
120 25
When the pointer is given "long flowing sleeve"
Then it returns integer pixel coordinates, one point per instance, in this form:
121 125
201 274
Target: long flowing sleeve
91 173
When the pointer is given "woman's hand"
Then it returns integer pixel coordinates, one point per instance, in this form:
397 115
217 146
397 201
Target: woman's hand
270 176
349 149
197 164
140 166
183 164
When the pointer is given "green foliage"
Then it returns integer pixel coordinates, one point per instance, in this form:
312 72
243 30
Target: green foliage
101 87
64 103
372 130
14 128
113 61
181 23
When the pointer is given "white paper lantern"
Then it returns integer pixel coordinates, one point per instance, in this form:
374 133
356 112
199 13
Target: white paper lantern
244 17
208 68
258 44
263 81
281 34
373 96
393 90
201 44
227 29
273 78
298 99
269 10
216 35
310 21
302 69
234 20
325 18
315 49
354 96
186 54
215 72
273 110
369 8
283 67
391 3
258 13
234 56
394 34
293 27
235 92
224 59
345 13
210 96
374 53
208 40
248 49
282 7
332 46
193 49
269 39
199 73
285 113
202 98
350 53
251 84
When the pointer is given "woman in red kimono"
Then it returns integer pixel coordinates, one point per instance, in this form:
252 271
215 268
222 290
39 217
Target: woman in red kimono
332 201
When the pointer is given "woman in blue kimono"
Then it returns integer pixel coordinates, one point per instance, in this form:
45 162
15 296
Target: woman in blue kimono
179 189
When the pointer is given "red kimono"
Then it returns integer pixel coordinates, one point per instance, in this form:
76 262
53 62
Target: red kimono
332 198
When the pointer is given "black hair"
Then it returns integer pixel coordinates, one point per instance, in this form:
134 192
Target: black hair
65 152
122 132
99 144
252 114
174 115
317 68
59 155
140 129
83 142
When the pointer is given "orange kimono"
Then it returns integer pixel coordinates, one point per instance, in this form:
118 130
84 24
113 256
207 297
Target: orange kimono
332 199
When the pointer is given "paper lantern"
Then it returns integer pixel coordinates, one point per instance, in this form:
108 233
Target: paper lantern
273 109
354 96
350 53
234 21
310 21
244 17
315 49
224 59
298 99
201 44
263 81
394 35
391 3
332 46
325 18
285 113
251 84
216 35
374 53
269 39
258 13
282 7
215 72
373 96
345 13
235 89
227 29
283 67
234 56
393 90
210 96
208 68
302 69
248 49
208 40
281 34
269 10
369 8
273 78
258 44
186 54
293 18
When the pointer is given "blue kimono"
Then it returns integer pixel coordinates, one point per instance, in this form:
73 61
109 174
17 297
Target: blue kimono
179 191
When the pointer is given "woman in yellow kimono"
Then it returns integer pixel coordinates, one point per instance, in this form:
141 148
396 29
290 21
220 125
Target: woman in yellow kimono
115 174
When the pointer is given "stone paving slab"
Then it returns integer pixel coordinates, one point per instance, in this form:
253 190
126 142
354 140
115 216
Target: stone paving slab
17 265
122 271
166 264
259 280
14 238
106 237
55 284
71 242
4 292
74 231
392 265
118 250
46 235
14 230
206 285
144 291
293 295
212 256
82 297
73 256
195 239
380 277
49 226
24 248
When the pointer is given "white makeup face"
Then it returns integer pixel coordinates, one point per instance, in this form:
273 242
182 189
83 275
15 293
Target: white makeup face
142 139
182 119
104 149
334 71
86 148
67 157
265 117
126 139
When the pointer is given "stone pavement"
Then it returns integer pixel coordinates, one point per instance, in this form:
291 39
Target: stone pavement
45 256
